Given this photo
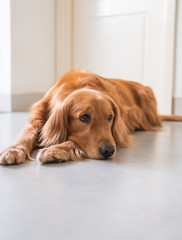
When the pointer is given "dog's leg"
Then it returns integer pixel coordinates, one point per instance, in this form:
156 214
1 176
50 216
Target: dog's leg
61 152
19 152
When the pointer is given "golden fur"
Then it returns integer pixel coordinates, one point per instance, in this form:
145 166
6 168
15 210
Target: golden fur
85 115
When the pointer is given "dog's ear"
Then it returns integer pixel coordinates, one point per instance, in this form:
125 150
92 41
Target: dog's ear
55 130
119 130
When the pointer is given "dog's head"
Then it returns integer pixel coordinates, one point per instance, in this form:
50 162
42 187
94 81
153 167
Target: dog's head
89 118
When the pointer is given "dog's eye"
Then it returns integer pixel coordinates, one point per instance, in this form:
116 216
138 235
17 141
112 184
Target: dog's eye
109 118
85 118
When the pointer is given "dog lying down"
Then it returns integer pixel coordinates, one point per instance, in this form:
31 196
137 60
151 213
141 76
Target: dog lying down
86 116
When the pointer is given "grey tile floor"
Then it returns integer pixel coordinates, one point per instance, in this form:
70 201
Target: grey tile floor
137 195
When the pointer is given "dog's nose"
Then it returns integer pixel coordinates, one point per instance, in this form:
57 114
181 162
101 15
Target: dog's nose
106 150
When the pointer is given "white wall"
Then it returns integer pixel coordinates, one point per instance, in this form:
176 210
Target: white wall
5 55
63 36
29 64
27 51
33 42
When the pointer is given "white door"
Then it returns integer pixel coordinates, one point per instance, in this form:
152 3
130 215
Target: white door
131 39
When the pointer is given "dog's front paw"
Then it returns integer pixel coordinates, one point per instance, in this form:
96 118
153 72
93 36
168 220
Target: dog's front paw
48 155
56 154
13 155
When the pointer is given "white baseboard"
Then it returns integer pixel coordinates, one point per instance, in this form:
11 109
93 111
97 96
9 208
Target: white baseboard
18 102
177 106
23 102
5 102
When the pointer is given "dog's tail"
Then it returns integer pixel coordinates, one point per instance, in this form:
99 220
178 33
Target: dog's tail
170 117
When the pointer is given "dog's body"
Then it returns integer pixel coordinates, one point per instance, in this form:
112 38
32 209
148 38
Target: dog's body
85 115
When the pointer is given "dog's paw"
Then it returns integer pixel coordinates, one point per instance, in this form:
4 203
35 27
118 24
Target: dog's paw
52 154
13 155
48 155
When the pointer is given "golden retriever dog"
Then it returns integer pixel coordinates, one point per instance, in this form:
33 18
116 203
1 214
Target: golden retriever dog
85 115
